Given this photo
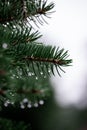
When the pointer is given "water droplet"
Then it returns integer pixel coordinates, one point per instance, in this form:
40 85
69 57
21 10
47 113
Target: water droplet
49 71
29 74
22 106
20 73
14 26
4 45
8 3
12 103
13 75
41 73
29 105
5 104
33 74
10 93
25 100
45 76
5 25
36 104
8 101
36 78
41 102
17 77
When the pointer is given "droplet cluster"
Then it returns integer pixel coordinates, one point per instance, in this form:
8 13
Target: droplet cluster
7 103
4 45
25 103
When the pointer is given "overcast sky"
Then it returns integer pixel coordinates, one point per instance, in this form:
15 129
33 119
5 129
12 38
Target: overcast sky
68 29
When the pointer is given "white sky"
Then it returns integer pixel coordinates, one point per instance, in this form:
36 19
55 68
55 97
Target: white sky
68 28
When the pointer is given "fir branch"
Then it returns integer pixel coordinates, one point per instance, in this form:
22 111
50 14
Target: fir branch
39 55
54 61
19 34
13 125
22 10
22 58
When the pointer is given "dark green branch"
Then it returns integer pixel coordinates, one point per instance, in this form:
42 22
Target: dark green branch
39 55
21 10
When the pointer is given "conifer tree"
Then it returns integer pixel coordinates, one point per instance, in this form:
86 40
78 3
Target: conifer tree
25 63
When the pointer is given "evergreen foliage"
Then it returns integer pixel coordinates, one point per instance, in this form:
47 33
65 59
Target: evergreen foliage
25 63
6 124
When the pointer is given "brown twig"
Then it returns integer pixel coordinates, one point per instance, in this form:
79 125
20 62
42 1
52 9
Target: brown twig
21 91
55 61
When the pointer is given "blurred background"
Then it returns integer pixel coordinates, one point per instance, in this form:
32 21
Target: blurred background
68 29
